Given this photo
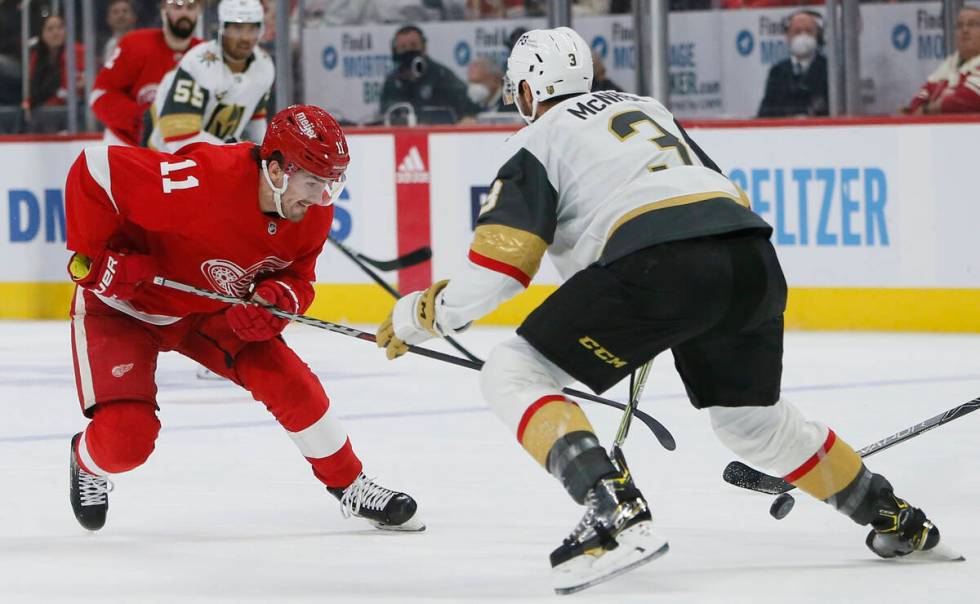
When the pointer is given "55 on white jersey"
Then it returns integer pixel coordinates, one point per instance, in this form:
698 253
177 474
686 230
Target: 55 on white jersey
202 100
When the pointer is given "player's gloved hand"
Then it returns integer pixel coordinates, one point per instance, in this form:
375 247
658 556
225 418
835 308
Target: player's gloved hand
412 321
112 274
254 323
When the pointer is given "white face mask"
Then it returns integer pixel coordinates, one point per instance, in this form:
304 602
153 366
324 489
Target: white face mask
478 93
802 46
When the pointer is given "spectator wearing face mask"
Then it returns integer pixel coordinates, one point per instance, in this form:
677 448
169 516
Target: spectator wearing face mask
797 85
484 85
434 93
955 85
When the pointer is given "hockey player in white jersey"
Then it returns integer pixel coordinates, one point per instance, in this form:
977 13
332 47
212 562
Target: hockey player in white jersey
219 91
659 250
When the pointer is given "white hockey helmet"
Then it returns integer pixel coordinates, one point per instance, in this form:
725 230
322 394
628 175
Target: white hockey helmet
554 62
240 11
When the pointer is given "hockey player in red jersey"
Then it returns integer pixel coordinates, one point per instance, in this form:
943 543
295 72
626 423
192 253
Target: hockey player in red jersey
127 84
235 219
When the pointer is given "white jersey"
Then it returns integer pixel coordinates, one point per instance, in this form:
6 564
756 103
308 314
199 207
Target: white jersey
203 100
597 177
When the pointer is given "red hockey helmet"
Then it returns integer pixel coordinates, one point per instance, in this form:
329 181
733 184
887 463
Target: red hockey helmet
309 138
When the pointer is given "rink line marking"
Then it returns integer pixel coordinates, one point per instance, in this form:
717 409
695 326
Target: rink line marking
262 423
464 410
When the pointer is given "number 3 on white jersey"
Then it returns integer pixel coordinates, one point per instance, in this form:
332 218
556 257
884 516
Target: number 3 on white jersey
170 185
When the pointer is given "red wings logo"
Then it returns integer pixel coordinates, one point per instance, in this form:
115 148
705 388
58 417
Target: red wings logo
228 278
147 94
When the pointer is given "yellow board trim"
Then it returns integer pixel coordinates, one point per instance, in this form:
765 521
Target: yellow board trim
871 309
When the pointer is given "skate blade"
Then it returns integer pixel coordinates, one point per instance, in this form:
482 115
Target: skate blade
940 553
637 546
412 525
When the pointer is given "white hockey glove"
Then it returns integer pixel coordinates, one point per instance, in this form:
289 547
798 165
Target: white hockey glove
412 321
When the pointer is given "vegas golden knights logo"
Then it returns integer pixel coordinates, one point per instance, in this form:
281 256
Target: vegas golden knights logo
224 121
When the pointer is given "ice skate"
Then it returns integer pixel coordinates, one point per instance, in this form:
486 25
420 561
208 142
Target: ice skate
89 493
386 509
614 536
901 530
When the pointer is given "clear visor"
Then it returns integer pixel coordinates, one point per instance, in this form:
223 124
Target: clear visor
182 2
510 91
332 190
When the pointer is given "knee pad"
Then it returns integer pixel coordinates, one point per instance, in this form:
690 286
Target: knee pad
122 435
776 438
516 375
276 376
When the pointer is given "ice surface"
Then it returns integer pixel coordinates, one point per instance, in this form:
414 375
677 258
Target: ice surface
226 509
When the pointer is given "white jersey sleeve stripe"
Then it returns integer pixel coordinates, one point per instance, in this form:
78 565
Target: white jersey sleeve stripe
97 160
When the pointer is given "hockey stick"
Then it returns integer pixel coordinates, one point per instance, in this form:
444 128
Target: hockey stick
738 474
410 259
659 430
356 259
638 381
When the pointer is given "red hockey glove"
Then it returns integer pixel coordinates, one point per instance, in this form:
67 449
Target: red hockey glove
113 274
256 324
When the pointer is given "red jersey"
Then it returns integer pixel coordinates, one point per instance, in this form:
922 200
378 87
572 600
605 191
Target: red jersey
955 85
197 215
127 84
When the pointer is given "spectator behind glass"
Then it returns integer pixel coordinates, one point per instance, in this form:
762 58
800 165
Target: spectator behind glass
353 12
48 72
955 85
599 79
435 94
120 16
797 85
10 77
495 9
484 85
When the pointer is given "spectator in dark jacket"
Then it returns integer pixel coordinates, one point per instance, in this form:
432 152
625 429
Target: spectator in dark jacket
797 85
434 92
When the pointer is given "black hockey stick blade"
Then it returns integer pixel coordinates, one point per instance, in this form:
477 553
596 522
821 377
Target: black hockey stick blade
410 259
359 260
663 435
738 474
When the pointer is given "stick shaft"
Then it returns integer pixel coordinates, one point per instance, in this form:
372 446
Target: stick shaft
742 475
659 430
356 259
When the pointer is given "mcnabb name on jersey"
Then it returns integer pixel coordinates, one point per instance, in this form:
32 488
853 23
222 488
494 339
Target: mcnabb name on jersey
596 102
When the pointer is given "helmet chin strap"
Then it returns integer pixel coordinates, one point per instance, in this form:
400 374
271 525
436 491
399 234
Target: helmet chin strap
276 191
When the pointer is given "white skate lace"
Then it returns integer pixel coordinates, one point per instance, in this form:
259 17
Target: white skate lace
364 493
584 525
93 489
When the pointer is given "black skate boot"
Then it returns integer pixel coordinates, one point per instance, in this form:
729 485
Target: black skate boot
89 493
385 509
898 529
614 536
